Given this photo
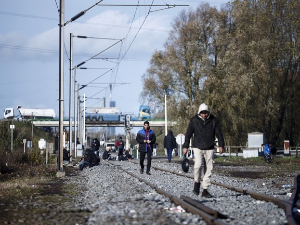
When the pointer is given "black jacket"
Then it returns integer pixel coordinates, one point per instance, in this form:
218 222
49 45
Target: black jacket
91 158
95 144
170 141
141 136
205 132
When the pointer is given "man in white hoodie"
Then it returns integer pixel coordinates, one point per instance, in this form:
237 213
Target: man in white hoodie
205 128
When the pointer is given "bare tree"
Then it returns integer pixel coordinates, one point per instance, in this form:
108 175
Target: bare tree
181 68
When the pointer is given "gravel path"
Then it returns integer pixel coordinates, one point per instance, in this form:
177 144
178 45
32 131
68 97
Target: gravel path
115 197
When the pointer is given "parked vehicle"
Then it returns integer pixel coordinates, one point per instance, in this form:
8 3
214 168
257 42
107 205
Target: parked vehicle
27 113
105 110
108 144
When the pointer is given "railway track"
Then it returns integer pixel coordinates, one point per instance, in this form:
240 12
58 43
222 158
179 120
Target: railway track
201 207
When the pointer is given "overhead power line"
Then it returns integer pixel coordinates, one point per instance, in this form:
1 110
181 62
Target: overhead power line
143 5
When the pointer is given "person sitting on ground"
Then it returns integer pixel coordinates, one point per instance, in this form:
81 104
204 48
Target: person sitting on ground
127 155
106 155
90 159
66 156
84 160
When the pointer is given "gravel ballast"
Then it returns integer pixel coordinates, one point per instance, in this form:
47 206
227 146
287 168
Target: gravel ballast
115 197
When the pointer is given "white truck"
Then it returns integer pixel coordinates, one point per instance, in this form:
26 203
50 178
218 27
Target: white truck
26 113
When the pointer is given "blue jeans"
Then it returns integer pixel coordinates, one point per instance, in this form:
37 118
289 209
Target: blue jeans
169 151
84 164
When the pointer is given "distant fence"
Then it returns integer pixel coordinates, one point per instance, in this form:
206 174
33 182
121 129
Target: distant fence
234 150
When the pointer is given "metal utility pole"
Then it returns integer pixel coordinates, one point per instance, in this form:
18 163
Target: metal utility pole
61 84
70 95
79 118
75 110
83 121
166 127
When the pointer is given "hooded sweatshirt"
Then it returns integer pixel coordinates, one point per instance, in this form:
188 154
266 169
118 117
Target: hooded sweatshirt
170 141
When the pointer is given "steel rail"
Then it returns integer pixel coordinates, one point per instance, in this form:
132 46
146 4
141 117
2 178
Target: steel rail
204 208
209 219
286 205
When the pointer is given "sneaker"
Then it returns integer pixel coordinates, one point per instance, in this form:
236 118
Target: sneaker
141 171
148 173
205 194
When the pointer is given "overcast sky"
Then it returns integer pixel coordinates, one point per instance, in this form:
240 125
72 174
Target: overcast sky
29 49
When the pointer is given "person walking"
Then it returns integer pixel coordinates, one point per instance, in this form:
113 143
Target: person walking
204 127
145 138
170 144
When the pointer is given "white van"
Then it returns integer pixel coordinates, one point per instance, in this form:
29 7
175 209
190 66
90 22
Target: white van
108 144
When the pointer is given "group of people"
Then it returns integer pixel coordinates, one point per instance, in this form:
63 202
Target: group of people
203 128
91 156
123 154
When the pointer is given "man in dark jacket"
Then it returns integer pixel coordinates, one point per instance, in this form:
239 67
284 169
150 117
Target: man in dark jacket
95 146
205 127
170 144
106 155
146 138
89 159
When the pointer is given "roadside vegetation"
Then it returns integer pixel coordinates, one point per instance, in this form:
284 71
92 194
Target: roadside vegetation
30 192
14 160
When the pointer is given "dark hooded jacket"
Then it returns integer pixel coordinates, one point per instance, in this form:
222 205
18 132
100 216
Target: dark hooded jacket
96 144
205 132
170 141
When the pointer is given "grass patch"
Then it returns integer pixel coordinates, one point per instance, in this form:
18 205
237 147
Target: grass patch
258 168
34 195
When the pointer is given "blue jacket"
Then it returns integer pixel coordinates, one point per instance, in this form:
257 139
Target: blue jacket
267 150
141 136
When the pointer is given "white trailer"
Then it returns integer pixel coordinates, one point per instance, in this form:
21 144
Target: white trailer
104 110
26 113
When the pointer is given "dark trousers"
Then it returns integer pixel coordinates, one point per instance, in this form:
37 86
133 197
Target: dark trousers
169 151
120 153
142 158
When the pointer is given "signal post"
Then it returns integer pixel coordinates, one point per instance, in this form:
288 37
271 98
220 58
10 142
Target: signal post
127 129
